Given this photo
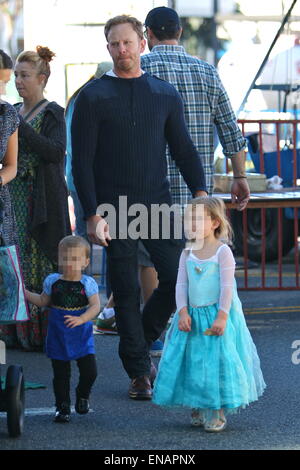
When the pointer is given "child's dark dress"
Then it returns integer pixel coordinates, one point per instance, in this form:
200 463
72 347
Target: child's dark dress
69 298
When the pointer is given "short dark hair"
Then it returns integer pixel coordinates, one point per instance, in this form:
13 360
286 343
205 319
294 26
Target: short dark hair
122 19
163 35
5 61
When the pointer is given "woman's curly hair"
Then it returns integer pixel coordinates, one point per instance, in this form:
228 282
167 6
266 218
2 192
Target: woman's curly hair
39 59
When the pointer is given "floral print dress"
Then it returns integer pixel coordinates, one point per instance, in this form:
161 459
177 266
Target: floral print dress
35 265
8 124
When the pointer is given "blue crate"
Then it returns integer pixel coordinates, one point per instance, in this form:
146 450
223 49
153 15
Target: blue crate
271 166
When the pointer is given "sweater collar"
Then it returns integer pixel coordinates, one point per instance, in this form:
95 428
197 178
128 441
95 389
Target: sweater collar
112 77
111 73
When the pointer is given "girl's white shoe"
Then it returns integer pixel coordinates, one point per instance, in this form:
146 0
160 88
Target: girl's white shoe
216 425
197 419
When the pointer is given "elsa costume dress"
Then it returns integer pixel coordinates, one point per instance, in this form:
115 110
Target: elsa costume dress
208 372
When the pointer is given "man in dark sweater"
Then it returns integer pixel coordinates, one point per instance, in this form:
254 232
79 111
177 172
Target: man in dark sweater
121 124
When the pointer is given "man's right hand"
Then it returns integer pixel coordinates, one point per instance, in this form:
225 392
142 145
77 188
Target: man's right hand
98 230
240 193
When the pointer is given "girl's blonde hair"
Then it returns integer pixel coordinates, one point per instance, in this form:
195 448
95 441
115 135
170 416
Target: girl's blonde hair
215 207
39 59
74 241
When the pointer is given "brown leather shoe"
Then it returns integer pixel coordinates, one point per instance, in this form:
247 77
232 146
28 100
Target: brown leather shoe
140 388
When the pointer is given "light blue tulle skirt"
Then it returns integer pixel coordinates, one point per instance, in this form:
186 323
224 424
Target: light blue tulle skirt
209 372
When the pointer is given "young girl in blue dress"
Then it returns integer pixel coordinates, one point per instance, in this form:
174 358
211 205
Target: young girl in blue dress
209 363
74 301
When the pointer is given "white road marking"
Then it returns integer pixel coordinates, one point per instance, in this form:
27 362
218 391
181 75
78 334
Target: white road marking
41 411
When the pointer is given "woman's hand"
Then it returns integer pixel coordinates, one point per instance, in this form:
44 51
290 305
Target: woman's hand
185 320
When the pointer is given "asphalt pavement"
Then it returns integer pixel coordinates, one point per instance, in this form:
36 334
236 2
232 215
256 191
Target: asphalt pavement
118 423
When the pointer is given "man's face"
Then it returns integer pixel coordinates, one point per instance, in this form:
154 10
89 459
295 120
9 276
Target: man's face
125 48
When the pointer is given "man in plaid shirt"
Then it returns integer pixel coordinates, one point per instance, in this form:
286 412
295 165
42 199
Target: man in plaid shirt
205 100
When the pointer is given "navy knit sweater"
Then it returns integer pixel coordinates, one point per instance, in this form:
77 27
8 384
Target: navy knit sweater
120 128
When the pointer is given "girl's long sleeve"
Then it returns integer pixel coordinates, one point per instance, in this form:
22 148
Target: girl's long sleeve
182 283
227 269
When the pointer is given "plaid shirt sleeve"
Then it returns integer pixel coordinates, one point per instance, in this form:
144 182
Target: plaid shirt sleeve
229 133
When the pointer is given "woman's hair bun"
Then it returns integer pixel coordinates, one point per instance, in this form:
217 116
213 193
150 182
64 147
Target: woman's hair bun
45 53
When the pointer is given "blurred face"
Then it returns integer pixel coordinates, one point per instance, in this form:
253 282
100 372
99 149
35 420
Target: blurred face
28 81
5 75
199 224
73 260
209 224
125 48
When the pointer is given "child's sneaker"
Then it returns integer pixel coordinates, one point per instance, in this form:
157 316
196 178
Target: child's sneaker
106 325
82 406
156 348
63 413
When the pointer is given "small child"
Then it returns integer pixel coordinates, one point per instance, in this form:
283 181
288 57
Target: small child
74 301
209 363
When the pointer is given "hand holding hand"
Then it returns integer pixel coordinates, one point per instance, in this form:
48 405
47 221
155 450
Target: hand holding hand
27 294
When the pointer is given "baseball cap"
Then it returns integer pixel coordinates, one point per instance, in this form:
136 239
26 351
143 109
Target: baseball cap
162 19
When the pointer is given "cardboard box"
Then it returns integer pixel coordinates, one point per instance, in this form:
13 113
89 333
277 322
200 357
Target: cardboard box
222 182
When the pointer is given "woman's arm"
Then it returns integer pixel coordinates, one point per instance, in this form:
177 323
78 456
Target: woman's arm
9 162
91 312
51 146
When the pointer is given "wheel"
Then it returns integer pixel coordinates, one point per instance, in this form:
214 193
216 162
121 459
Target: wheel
15 400
255 233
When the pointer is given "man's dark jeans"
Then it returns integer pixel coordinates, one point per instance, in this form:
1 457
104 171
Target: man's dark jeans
137 331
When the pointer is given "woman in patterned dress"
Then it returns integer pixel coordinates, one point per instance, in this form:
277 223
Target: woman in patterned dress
39 191
8 154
